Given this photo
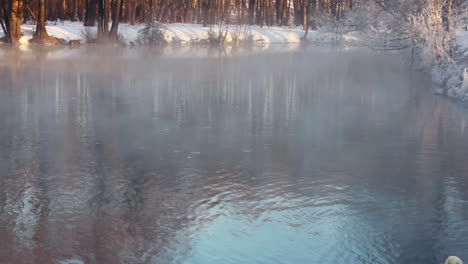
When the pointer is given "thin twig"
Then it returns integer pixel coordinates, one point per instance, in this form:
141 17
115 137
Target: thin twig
31 12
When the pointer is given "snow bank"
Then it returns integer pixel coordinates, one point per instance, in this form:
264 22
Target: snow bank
457 78
465 79
66 30
185 33
462 41
458 88
191 32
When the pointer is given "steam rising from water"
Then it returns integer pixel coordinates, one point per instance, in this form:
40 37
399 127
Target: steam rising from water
319 154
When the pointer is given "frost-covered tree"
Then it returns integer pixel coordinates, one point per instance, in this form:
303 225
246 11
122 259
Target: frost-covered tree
399 24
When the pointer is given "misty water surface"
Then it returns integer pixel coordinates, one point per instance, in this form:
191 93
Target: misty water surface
313 156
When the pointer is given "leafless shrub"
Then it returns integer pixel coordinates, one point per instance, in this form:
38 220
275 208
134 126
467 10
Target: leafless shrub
89 34
237 39
152 35
217 37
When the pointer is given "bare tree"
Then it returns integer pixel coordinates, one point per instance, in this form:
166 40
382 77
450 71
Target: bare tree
12 13
41 35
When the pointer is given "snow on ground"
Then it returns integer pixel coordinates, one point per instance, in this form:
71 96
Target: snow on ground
458 83
185 33
65 31
462 41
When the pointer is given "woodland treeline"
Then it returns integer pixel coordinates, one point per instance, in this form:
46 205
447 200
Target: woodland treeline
206 12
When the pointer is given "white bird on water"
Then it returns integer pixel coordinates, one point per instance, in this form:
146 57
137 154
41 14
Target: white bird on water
453 260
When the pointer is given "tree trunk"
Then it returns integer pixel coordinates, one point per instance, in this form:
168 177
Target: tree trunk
63 15
299 12
447 14
74 10
251 11
100 28
41 36
107 8
132 12
90 13
313 8
51 11
305 22
14 20
116 14
103 20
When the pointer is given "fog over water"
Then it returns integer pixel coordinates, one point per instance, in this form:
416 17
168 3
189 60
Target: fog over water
318 155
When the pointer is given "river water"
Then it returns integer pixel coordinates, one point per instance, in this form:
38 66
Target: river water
319 155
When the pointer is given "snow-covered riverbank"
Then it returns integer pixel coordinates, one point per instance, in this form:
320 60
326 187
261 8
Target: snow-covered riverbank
462 41
184 33
455 78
